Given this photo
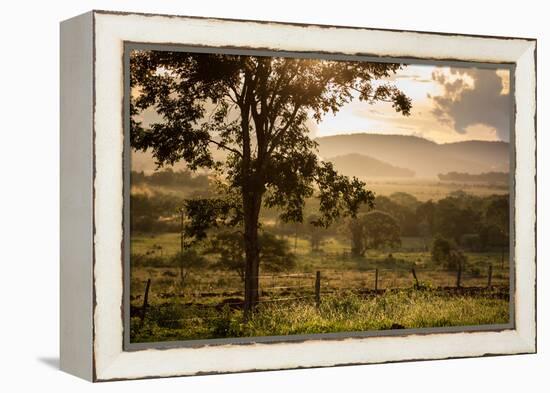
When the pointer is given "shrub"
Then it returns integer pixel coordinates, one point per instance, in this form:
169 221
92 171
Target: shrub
168 315
444 252
475 271
226 324
471 241
441 249
456 259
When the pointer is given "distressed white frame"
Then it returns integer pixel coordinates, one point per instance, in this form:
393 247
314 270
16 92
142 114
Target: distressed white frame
111 30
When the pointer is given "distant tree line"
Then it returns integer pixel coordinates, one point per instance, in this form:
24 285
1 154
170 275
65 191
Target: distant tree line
155 213
459 222
167 177
470 222
487 177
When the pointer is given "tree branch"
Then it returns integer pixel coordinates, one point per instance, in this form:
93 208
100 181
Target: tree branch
224 146
278 84
278 135
370 97
238 98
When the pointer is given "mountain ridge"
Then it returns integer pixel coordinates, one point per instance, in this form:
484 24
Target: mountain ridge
424 157
360 165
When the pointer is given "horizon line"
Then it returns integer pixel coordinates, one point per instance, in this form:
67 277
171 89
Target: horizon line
407 135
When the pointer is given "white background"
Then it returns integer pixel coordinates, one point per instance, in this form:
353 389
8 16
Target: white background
29 196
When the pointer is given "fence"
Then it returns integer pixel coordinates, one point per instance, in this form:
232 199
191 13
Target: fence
292 287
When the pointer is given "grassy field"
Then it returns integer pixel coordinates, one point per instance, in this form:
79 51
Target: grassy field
208 305
338 312
334 258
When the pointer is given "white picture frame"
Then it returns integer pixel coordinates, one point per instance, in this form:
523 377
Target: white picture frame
92 189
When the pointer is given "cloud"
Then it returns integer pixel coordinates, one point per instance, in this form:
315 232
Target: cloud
411 77
471 97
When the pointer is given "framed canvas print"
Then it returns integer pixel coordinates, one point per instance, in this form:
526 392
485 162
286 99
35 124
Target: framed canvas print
245 195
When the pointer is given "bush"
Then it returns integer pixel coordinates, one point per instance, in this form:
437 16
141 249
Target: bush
456 259
222 326
441 250
445 253
475 271
423 285
471 241
168 315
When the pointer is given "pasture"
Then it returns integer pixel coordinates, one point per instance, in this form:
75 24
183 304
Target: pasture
208 305
432 189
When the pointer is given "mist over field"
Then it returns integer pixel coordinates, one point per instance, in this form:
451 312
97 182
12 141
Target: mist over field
394 156
398 163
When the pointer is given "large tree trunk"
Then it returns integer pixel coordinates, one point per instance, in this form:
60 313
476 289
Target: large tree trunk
251 208
357 242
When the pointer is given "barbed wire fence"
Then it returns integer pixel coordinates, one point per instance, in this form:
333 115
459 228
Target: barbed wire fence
313 286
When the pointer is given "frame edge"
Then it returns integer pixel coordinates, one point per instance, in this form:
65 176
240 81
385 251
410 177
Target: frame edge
76 199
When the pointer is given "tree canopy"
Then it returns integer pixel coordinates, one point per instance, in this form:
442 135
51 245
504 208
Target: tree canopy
255 110
373 230
275 255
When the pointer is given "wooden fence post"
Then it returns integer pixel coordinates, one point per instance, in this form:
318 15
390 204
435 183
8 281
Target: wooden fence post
416 283
459 275
145 301
490 276
376 281
318 288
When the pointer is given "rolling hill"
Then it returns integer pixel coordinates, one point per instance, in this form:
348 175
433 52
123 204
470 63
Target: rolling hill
425 158
364 166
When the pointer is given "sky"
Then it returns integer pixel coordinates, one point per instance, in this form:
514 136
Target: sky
450 104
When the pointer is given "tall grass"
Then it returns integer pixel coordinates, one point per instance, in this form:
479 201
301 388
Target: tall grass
343 312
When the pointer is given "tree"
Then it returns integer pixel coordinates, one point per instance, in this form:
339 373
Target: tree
457 260
404 199
425 217
314 233
425 212
373 230
356 231
445 252
289 230
498 216
275 255
400 206
187 260
229 246
254 109
452 220
441 249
